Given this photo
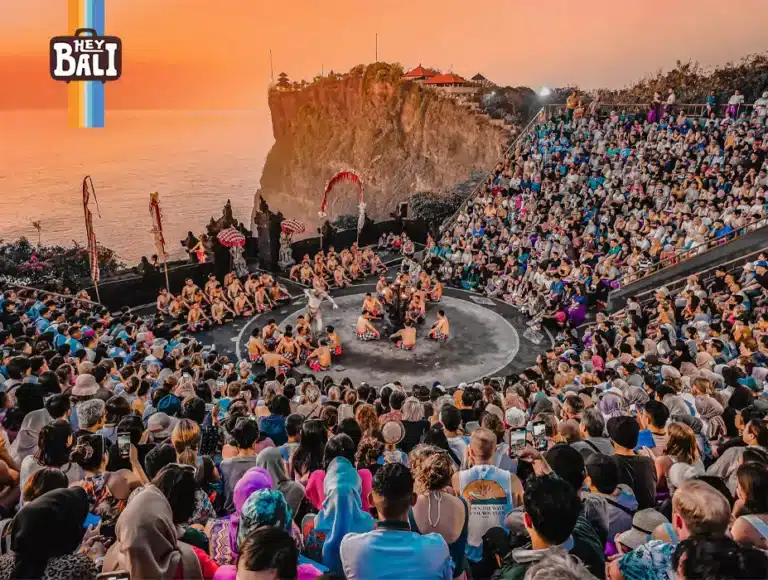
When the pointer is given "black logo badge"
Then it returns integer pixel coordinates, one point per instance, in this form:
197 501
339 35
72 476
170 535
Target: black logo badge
86 58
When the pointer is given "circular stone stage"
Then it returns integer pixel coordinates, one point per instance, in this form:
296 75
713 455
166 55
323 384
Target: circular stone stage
486 340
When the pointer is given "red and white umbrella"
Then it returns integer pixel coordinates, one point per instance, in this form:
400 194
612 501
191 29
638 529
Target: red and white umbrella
230 238
291 226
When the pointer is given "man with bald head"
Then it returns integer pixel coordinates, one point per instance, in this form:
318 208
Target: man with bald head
490 492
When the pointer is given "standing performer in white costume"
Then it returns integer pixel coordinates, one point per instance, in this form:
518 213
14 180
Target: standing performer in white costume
314 314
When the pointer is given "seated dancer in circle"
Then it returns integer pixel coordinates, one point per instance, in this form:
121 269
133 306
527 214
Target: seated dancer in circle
414 313
278 294
377 266
384 290
256 346
196 319
288 347
305 273
340 279
261 299
301 324
304 340
271 334
242 305
334 342
441 328
176 307
405 338
364 329
436 293
320 359
234 288
210 285
372 306
319 284
164 300
277 362
188 291
295 272
251 285
314 315
220 312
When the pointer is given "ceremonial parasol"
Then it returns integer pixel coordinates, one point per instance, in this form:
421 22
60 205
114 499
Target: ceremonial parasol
291 226
231 238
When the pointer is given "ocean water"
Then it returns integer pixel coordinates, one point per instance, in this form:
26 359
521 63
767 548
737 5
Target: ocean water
195 160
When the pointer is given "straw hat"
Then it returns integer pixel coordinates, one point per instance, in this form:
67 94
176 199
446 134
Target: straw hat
393 432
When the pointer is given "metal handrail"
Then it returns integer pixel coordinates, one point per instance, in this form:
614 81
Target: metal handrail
645 105
482 182
697 250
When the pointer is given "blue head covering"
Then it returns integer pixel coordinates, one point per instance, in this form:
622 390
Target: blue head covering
342 511
264 507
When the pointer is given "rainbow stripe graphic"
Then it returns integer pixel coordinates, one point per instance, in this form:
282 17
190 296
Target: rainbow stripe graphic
86 98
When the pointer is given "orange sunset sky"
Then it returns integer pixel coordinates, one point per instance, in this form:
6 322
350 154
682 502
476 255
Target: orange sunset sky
206 54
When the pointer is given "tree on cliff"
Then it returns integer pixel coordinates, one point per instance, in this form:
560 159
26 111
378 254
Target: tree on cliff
434 207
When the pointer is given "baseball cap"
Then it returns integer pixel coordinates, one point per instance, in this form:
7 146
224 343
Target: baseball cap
643 524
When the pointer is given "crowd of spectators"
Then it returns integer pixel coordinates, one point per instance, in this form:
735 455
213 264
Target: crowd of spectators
637 449
591 198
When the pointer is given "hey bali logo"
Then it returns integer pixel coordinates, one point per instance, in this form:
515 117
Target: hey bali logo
86 60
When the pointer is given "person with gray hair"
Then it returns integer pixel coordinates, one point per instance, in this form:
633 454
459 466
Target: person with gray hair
412 410
558 564
592 428
91 416
414 423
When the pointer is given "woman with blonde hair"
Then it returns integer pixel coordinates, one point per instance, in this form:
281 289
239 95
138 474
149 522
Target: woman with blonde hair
311 405
414 423
437 510
681 459
185 438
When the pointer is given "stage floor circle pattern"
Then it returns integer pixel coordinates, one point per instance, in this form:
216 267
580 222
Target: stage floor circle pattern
482 342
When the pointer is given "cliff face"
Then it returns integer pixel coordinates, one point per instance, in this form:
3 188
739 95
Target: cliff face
399 137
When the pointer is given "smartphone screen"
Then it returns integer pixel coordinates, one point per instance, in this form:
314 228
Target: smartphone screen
538 430
124 444
91 520
516 441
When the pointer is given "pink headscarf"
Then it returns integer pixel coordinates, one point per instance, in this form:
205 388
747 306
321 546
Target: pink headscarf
254 479
597 363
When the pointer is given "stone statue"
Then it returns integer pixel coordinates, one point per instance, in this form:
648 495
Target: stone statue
238 261
285 260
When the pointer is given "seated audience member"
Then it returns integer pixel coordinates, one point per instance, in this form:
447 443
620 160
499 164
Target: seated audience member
593 440
552 520
636 471
392 549
698 509
481 483
603 481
